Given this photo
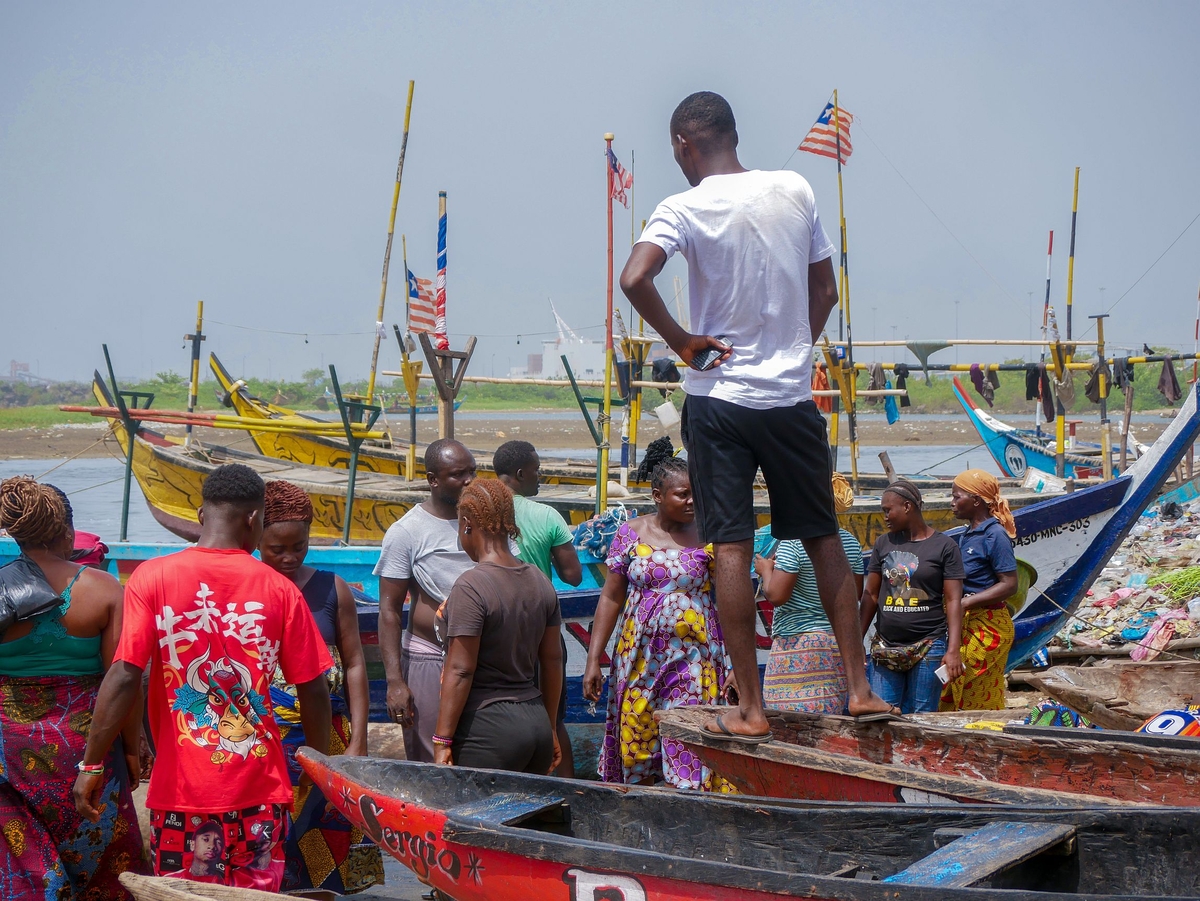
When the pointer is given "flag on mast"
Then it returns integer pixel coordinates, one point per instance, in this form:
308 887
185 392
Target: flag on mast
422 308
619 181
822 138
442 340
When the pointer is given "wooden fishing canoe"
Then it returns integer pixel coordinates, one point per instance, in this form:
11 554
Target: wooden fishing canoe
1121 695
832 758
484 835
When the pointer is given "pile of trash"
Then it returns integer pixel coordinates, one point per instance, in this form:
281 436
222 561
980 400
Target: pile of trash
1149 593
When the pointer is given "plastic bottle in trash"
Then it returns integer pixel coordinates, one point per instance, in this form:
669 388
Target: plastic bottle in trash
1193 609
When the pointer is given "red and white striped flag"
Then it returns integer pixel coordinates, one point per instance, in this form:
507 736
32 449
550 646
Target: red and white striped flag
619 181
422 309
822 138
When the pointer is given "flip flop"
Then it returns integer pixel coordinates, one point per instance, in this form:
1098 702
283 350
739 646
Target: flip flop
884 717
725 735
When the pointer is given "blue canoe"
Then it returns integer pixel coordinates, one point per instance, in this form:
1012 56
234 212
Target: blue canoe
1018 450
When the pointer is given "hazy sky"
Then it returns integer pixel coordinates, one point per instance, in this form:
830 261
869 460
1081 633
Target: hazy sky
152 155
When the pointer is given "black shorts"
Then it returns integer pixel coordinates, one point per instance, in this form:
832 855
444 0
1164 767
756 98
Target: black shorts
727 444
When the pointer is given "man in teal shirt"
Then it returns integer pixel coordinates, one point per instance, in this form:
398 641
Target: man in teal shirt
545 541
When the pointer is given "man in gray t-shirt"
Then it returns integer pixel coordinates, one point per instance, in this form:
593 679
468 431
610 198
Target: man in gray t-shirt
421 558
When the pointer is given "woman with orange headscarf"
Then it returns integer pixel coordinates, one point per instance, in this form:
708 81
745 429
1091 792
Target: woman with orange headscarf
991 578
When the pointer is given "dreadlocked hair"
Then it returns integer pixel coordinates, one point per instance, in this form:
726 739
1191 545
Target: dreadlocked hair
489 504
32 513
667 468
286 502
656 451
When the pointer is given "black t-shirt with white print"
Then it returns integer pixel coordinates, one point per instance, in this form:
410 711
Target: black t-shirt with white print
914 572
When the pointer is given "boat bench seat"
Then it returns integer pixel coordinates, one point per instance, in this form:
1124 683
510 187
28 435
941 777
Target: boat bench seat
981 854
508 809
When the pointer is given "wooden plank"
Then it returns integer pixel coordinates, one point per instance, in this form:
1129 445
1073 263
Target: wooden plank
982 854
1140 739
504 809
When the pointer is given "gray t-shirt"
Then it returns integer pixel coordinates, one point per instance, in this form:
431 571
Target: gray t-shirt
509 610
424 547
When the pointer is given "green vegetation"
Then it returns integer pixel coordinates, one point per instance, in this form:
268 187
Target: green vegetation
39 416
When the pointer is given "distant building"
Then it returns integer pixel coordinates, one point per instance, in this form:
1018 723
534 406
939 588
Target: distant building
534 365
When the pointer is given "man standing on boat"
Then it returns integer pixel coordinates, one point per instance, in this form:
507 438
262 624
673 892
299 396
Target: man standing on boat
421 556
761 278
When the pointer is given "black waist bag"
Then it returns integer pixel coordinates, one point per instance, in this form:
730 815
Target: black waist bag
24 592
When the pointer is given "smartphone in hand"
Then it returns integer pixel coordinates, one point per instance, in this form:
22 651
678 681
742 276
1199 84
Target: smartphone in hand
707 358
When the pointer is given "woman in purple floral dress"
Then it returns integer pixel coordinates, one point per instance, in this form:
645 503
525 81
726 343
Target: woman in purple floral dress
669 650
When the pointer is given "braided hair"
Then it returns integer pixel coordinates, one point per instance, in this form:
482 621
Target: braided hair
32 513
489 504
657 451
666 469
286 502
907 491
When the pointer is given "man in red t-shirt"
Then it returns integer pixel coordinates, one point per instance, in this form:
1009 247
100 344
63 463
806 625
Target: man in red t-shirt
210 621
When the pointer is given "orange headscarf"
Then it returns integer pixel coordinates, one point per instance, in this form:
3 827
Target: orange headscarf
984 486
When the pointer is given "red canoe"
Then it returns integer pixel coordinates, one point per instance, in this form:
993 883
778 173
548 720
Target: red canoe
831 758
482 835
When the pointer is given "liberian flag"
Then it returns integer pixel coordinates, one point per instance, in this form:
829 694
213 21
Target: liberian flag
441 341
422 315
618 180
822 138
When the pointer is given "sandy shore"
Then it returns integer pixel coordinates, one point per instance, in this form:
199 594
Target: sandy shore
488 433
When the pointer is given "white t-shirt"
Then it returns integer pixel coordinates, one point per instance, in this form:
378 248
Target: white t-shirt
424 547
748 238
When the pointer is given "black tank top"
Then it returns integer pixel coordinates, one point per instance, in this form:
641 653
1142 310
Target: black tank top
320 594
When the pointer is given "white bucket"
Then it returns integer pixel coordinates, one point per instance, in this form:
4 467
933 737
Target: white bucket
667 415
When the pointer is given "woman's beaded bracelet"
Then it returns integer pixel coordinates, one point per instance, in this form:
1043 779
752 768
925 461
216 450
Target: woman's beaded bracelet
443 740
94 769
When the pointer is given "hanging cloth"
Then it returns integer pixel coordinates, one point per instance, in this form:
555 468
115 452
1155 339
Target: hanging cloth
1033 381
1092 390
820 382
922 350
983 387
878 380
1168 383
993 379
889 405
1064 388
1122 373
1046 393
901 370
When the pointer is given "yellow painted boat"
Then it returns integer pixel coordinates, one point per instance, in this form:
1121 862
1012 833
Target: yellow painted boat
314 450
170 476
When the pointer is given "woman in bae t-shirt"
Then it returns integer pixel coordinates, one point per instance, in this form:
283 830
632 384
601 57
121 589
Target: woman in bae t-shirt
912 595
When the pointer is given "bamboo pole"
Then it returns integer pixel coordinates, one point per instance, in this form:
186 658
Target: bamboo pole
605 425
844 306
1105 436
219 421
411 373
387 252
194 389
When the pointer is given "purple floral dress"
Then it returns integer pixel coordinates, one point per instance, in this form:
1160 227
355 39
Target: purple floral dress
669 653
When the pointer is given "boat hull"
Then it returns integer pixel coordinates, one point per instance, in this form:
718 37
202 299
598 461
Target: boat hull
1121 695
481 835
1016 451
832 758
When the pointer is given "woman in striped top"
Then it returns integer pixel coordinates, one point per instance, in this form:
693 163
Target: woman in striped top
805 669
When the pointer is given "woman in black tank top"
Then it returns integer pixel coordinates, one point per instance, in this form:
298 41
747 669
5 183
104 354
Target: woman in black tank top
286 521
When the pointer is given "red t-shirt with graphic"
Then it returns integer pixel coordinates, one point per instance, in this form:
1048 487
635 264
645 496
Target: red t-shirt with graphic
210 622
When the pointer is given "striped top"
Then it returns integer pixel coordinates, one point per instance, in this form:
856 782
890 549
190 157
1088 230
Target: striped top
802 612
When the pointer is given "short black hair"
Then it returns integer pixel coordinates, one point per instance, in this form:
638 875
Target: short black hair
669 467
62 495
706 120
513 455
233 483
438 451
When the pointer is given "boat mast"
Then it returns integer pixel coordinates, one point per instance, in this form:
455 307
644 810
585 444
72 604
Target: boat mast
194 389
844 305
606 431
387 252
